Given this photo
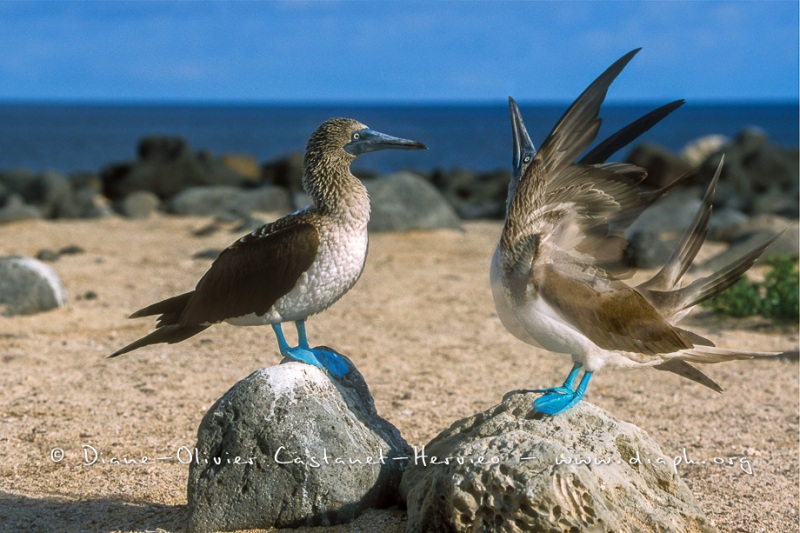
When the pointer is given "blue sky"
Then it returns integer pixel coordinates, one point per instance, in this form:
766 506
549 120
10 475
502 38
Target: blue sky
377 51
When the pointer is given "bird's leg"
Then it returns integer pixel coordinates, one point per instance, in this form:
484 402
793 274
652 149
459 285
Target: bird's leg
299 353
558 399
567 387
302 340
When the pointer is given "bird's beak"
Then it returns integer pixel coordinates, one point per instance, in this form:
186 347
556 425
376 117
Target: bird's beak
522 141
367 140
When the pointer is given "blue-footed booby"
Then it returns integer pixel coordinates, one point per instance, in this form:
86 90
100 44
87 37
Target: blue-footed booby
295 266
549 286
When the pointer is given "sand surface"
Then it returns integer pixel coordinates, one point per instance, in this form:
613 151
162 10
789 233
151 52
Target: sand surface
422 329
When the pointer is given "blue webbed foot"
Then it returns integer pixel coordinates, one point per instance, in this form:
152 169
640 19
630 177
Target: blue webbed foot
558 399
331 361
321 357
302 355
553 403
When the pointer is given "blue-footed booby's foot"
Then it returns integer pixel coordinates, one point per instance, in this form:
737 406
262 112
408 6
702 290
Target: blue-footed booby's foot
321 357
558 399
302 355
331 361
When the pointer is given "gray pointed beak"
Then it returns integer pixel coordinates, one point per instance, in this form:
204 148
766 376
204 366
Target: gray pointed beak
367 140
523 147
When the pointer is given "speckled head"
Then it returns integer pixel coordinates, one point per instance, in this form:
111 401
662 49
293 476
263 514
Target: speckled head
348 138
331 149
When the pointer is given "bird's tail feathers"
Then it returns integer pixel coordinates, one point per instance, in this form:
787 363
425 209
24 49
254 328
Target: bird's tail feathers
713 284
685 370
712 354
169 334
170 309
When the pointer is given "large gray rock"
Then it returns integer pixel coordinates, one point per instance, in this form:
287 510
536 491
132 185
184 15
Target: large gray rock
221 200
652 237
404 201
320 453
511 472
28 286
724 223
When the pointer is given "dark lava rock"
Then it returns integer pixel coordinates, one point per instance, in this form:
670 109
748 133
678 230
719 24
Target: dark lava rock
165 167
662 165
49 192
47 255
788 244
755 167
474 195
285 172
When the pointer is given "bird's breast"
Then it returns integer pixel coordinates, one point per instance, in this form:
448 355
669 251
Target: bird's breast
336 268
528 317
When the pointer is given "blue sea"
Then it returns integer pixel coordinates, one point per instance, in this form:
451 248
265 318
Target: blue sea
86 137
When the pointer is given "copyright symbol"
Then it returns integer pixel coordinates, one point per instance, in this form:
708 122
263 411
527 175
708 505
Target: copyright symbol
56 455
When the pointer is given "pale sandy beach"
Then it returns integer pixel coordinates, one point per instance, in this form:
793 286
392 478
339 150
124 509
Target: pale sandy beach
421 327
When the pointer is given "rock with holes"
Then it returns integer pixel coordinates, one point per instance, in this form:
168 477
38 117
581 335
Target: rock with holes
504 470
28 286
291 446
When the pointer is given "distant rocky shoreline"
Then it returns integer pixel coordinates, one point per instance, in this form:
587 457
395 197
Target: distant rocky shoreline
758 191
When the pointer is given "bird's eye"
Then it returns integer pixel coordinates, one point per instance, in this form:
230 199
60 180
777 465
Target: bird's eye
527 159
356 136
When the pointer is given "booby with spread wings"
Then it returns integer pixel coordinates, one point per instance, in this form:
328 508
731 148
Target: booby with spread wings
549 286
295 266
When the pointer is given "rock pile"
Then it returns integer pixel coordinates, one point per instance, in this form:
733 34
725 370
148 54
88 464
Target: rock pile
759 178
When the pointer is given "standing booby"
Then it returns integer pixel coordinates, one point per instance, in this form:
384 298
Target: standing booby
294 267
549 287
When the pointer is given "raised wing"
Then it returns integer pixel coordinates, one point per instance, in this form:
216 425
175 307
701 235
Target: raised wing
578 127
575 205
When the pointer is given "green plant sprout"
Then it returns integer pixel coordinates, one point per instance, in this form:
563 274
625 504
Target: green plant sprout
776 297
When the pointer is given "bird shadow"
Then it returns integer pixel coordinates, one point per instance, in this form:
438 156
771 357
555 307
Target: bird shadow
55 513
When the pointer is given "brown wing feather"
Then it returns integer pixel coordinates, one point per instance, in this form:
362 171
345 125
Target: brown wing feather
578 127
251 275
615 319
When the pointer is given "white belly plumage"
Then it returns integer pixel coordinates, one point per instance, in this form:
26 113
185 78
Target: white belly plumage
536 323
340 260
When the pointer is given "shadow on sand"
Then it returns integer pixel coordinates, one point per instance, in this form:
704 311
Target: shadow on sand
24 513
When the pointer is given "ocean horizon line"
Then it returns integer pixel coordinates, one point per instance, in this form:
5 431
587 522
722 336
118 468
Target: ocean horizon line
368 104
